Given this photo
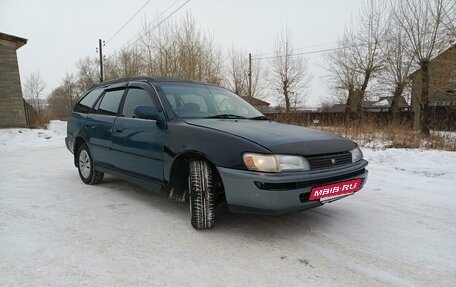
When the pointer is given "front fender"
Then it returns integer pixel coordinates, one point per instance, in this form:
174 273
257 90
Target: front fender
220 148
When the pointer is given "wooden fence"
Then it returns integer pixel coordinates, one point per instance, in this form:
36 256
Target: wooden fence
441 118
30 113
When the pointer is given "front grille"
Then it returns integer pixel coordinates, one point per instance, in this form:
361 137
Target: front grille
325 161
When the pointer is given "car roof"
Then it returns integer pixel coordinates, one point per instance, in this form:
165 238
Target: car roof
147 79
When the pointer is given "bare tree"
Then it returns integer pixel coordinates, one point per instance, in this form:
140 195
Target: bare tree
342 79
289 75
364 48
110 71
237 79
449 20
87 74
62 98
196 54
259 74
153 47
128 63
425 24
237 72
359 57
34 87
397 66
58 103
181 49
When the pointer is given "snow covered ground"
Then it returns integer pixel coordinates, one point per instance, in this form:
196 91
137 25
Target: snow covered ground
400 230
26 139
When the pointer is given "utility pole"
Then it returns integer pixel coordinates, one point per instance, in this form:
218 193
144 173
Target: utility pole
100 49
250 76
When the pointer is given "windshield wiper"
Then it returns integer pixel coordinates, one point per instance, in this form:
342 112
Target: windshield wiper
260 118
226 116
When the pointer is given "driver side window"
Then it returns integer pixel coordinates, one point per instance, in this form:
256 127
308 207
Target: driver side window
135 97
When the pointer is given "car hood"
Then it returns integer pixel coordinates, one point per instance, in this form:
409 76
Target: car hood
279 138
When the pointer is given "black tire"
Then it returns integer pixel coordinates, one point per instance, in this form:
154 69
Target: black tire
87 171
202 195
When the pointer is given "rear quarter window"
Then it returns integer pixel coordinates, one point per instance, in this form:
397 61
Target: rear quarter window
85 105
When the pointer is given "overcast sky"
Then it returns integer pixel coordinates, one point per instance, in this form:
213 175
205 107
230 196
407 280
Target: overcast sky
60 33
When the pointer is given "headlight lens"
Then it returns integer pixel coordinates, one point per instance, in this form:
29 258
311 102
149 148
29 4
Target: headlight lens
357 154
274 163
292 162
261 162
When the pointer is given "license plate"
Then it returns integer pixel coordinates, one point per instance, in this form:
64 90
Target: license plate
335 189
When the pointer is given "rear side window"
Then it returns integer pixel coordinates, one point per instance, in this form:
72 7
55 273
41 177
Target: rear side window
88 101
135 97
110 103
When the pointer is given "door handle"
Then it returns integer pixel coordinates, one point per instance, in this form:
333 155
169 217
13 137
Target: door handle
89 126
119 130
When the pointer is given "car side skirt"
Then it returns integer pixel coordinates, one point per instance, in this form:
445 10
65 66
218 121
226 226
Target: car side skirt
147 183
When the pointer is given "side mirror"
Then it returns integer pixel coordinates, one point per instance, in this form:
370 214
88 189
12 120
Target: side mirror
148 113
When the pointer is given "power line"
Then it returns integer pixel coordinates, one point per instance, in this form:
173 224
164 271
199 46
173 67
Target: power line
154 27
156 19
298 54
129 20
300 49
318 51
312 52
390 39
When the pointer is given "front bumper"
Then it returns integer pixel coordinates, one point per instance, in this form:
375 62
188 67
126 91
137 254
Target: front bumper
276 193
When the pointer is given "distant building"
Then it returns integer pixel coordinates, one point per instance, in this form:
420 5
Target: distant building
336 108
307 109
12 112
442 86
383 104
260 105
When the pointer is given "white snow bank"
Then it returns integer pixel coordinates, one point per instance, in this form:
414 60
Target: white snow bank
19 138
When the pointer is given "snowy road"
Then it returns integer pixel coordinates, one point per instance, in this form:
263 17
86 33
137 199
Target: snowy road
55 231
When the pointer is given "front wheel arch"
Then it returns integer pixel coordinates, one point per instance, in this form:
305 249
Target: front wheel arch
177 185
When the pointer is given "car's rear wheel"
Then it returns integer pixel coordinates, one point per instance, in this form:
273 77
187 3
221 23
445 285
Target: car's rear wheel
202 195
87 171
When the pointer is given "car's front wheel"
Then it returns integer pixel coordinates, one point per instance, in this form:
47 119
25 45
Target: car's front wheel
87 172
202 195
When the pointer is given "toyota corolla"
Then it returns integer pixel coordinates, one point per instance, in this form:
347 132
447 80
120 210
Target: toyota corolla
205 145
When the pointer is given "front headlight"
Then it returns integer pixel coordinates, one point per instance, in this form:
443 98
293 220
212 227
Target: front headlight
292 162
274 163
261 162
357 154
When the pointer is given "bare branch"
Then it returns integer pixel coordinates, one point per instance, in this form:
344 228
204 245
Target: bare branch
34 87
290 76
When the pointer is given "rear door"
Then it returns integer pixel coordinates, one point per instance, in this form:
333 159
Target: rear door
137 144
75 124
99 123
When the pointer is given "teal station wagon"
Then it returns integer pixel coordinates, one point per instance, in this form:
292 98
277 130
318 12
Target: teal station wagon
203 144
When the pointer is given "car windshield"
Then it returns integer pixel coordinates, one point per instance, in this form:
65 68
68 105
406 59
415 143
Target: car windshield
205 101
